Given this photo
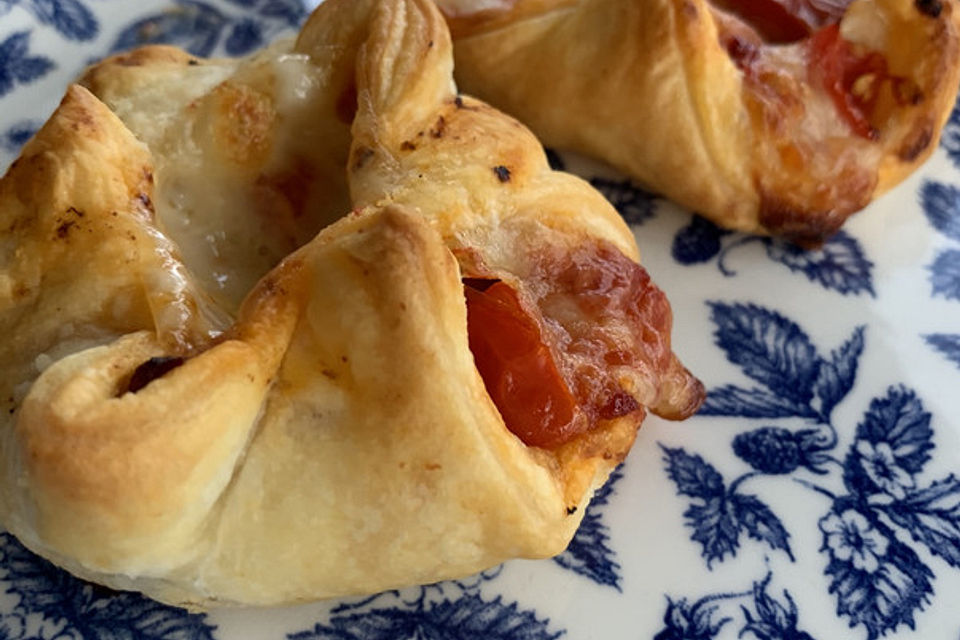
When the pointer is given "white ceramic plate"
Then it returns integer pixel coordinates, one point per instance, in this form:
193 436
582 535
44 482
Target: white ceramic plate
815 496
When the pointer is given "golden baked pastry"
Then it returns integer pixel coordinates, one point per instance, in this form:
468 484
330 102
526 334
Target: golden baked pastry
221 389
763 115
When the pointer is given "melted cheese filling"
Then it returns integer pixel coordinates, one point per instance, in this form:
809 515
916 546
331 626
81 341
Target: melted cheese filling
243 165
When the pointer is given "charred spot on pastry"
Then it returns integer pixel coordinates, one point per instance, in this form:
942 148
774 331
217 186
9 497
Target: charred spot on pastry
430 45
273 288
930 8
407 146
75 211
63 230
502 173
439 128
83 118
907 92
571 510
20 291
458 101
803 227
916 143
150 370
361 156
193 62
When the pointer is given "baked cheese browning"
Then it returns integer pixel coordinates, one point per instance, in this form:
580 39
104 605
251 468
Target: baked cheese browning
853 76
248 156
584 339
833 99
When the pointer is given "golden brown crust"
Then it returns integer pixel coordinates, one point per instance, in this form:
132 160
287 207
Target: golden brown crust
233 427
748 139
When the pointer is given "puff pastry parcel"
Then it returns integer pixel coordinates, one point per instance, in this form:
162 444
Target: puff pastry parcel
311 324
764 115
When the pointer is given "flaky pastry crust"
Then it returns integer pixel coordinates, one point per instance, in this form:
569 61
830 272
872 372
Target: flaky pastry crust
690 101
221 389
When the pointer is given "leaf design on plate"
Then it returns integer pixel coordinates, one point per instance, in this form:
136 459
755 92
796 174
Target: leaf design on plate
88 610
899 420
729 400
718 516
837 375
941 204
635 204
245 36
18 135
839 264
588 554
465 618
16 63
690 622
773 620
932 516
950 139
191 25
760 523
945 274
693 476
69 17
713 521
291 11
769 348
946 343
697 242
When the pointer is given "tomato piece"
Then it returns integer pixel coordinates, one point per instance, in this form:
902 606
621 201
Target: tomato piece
559 356
837 68
516 365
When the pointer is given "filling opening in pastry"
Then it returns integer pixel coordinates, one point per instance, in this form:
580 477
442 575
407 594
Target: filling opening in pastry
580 340
247 168
804 39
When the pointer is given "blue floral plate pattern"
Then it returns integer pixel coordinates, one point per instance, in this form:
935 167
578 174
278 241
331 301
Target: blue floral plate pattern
816 495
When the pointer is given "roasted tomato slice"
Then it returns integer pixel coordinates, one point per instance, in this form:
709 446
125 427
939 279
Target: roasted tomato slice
516 365
585 340
834 64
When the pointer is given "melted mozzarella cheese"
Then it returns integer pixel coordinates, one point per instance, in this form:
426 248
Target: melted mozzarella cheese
242 164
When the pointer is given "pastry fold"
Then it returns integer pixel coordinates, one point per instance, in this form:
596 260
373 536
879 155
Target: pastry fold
241 366
786 138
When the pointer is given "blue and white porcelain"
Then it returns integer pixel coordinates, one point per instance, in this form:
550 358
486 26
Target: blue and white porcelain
815 496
